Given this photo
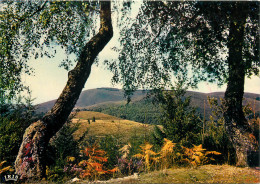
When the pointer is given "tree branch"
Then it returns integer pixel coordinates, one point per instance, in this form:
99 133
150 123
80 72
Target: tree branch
38 10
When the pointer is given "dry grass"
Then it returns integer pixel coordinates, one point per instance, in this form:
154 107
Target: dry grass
85 115
203 174
109 125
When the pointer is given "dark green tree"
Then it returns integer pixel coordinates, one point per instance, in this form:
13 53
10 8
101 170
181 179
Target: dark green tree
195 41
111 146
64 145
157 137
181 123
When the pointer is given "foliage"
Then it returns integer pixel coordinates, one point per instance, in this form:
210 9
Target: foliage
181 123
167 154
148 156
110 145
125 150
71 167
55 174
62 146
147 111
4 169
33 29
216 137
92 166
189 40
14 119
127 165
137 140
143 111
172 154
197 156
255 125
254 122
158 136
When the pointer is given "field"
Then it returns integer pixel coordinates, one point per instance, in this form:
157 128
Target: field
109 125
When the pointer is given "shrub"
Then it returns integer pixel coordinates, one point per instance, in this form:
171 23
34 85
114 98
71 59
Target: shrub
93 164
215 136
4 169
158 137
61 147
126 164
197 156
181 123
64 145
167 154
14 119
111 146
148 156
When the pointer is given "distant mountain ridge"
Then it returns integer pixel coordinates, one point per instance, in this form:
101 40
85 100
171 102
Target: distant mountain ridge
112 101
92 97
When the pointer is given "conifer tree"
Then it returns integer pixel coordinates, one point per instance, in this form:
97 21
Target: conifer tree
181 123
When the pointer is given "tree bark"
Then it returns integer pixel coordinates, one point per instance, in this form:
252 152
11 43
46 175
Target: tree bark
30 162
236 124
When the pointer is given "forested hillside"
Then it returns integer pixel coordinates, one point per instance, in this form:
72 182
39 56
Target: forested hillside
141 109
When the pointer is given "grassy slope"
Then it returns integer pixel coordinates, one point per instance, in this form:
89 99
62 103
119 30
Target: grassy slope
109 125
202 174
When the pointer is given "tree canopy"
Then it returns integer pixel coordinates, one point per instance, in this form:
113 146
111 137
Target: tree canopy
184 39
35 29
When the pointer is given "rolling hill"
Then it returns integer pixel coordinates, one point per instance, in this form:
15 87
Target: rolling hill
111 101
105 125
92 97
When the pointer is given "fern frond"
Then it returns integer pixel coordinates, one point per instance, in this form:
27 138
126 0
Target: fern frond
5 169
212 153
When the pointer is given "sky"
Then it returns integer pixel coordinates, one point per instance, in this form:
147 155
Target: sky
49 80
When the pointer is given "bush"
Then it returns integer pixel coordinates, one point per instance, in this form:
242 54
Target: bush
157 137
14 119
148 156
181 123
111 146
215 136
62 146
126 164
92 167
